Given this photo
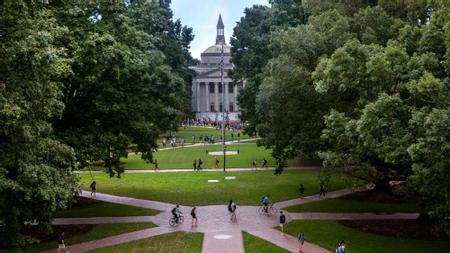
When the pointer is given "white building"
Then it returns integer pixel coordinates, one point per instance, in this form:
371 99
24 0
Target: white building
207 90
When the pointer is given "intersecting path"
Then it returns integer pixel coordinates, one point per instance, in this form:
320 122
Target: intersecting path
220 235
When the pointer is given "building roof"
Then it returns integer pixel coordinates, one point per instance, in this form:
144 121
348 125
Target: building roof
220 22
216 48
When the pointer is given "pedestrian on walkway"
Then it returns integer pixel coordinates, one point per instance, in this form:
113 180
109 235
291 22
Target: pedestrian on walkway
239 136
232 209
254 165
322 189
301 190
156 165
195 165
194 217
282 221
93 188
341 247
61 244
216 162
264 163
199 166
301 241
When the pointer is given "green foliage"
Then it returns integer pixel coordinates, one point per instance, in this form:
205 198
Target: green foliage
35 176
327 234
363 85
129 79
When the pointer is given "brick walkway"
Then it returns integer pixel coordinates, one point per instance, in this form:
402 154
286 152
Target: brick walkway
221 235
286 241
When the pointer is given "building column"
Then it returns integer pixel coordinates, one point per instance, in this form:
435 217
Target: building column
198 96
236 109
207 97
227 100
216 96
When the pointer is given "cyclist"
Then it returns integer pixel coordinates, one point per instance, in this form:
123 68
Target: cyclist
176 213
232 210
266 202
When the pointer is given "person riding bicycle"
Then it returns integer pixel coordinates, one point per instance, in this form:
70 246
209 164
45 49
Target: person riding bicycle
265 202
176 213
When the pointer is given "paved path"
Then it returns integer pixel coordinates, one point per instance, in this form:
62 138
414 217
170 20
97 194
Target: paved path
353 216
190 145
312 198
221 235
103 220
161 206
191 170
230 242
115 240
286 241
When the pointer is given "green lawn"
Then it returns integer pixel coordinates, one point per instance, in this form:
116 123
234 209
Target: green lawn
202 131
253 244
178 242
350 205
327 234
104 209
98 232
192 188
184 158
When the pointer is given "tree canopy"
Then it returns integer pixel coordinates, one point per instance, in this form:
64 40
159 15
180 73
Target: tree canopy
362 85
81 81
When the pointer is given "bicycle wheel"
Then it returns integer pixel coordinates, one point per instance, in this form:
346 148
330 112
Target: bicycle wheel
172 222
261 210
273 210
180 219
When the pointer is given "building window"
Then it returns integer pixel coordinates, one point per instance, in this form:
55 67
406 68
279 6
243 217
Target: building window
211 88
231 88
220 107
231 107
220 87
211 107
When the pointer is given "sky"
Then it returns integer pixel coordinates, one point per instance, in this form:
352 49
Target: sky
202 16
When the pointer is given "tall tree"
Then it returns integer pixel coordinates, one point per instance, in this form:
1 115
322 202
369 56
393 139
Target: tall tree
35 176
129 80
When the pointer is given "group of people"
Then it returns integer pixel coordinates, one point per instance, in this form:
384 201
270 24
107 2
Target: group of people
255 164
197 165
173 141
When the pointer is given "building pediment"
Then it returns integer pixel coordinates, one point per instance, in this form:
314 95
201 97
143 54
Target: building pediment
214 73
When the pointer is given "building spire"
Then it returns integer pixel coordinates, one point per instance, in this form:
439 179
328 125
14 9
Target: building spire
220 38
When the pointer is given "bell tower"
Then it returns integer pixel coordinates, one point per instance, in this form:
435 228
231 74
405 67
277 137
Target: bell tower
220 39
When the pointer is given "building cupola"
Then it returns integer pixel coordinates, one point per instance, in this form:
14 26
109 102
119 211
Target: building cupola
220 39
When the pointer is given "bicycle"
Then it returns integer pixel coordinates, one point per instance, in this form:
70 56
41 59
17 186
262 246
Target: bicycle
233 217
271 210
173 221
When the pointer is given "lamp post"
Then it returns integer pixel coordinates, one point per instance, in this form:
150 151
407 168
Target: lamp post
224 148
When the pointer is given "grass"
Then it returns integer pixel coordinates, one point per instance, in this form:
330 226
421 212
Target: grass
184 157
202 131
349 205
98 232
327 234
104 209
178 242
253 244
192 188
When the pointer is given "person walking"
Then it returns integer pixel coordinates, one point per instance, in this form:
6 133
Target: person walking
264 163
93 188
232 210
216 162
322 189
301 241
254 165
199 166
194 217
194 165
282 221
301 189
156 165
61 244
341 247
